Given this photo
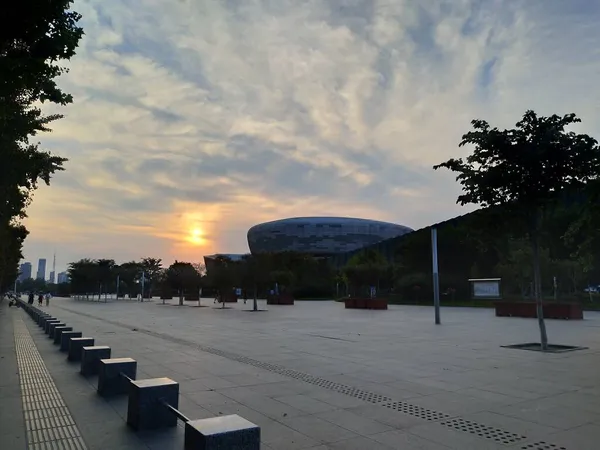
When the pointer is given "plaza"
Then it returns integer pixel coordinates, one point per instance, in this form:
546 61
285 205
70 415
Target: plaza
318 376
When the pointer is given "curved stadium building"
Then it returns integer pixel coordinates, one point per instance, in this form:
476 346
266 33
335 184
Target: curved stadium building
320 236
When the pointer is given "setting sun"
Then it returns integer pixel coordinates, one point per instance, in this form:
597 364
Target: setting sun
196 236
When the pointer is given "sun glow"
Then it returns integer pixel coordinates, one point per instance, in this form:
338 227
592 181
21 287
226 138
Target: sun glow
195 236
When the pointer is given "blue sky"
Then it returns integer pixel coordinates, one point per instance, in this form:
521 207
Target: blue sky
194 120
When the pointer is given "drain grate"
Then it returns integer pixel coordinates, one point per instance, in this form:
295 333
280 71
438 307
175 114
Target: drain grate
494 434
542 446
48 422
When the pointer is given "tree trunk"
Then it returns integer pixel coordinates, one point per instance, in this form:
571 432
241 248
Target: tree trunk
180 297
537 280
255 302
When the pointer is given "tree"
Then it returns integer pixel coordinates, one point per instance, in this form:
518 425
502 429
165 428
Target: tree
152 269
105 269
527 170
584 232
181 276
223 275
11 244
516 268
255 274
129 274
84 276
366 268
36 36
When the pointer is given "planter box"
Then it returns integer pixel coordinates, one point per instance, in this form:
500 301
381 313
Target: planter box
228 298
281 299
572 311
365 303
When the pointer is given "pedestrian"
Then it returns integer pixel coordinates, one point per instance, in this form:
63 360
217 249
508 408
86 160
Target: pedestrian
40 300
31 298
48 298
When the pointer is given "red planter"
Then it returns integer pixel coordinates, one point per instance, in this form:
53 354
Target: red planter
281 299
365 303
570 311
229 298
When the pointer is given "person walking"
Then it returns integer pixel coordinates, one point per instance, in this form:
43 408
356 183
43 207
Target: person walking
40 300
31 298
48 298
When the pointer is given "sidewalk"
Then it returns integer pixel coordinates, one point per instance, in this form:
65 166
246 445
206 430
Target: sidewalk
12 423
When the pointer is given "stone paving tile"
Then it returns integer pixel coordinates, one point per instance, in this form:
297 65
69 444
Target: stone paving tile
400 440
319 429
359 443
585 437
458 368
12 423
305 403
354 422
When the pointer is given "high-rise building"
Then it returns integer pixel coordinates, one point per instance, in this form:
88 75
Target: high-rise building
25 271
63 277
52 277
41 272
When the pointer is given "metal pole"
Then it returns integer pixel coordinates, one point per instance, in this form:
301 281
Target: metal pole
436 276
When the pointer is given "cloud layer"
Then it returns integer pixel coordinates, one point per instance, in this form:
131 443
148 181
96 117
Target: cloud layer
218 114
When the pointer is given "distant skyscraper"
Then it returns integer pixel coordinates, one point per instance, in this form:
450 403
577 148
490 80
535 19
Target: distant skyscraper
63 277
53 268
25 271
41 272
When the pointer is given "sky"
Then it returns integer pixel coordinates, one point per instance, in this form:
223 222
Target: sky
195 119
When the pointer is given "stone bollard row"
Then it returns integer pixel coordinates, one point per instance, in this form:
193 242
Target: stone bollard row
152 403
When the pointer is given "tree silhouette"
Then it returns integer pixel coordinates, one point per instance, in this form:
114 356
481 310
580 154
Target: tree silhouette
527 170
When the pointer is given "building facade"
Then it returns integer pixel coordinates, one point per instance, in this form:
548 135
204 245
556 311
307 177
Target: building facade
63 277
41 272
24 271
321 236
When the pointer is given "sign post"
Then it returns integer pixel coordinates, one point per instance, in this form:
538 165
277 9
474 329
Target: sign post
485 288
436 276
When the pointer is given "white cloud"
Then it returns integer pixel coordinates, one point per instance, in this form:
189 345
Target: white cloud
271 109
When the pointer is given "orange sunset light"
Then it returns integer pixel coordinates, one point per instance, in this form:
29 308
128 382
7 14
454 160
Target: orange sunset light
196 236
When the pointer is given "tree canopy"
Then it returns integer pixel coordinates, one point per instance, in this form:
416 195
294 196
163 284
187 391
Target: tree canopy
527 170
36 37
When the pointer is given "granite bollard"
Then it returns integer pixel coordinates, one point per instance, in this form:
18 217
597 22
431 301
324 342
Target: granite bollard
90 358
43 321
65 339
47 325
58 331
110 375
75 346
41 317
52 326
222 432
145 409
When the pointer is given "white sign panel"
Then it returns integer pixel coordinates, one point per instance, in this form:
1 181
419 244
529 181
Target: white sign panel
486 289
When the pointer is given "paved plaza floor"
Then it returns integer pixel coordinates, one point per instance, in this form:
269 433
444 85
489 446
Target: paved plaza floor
317 376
